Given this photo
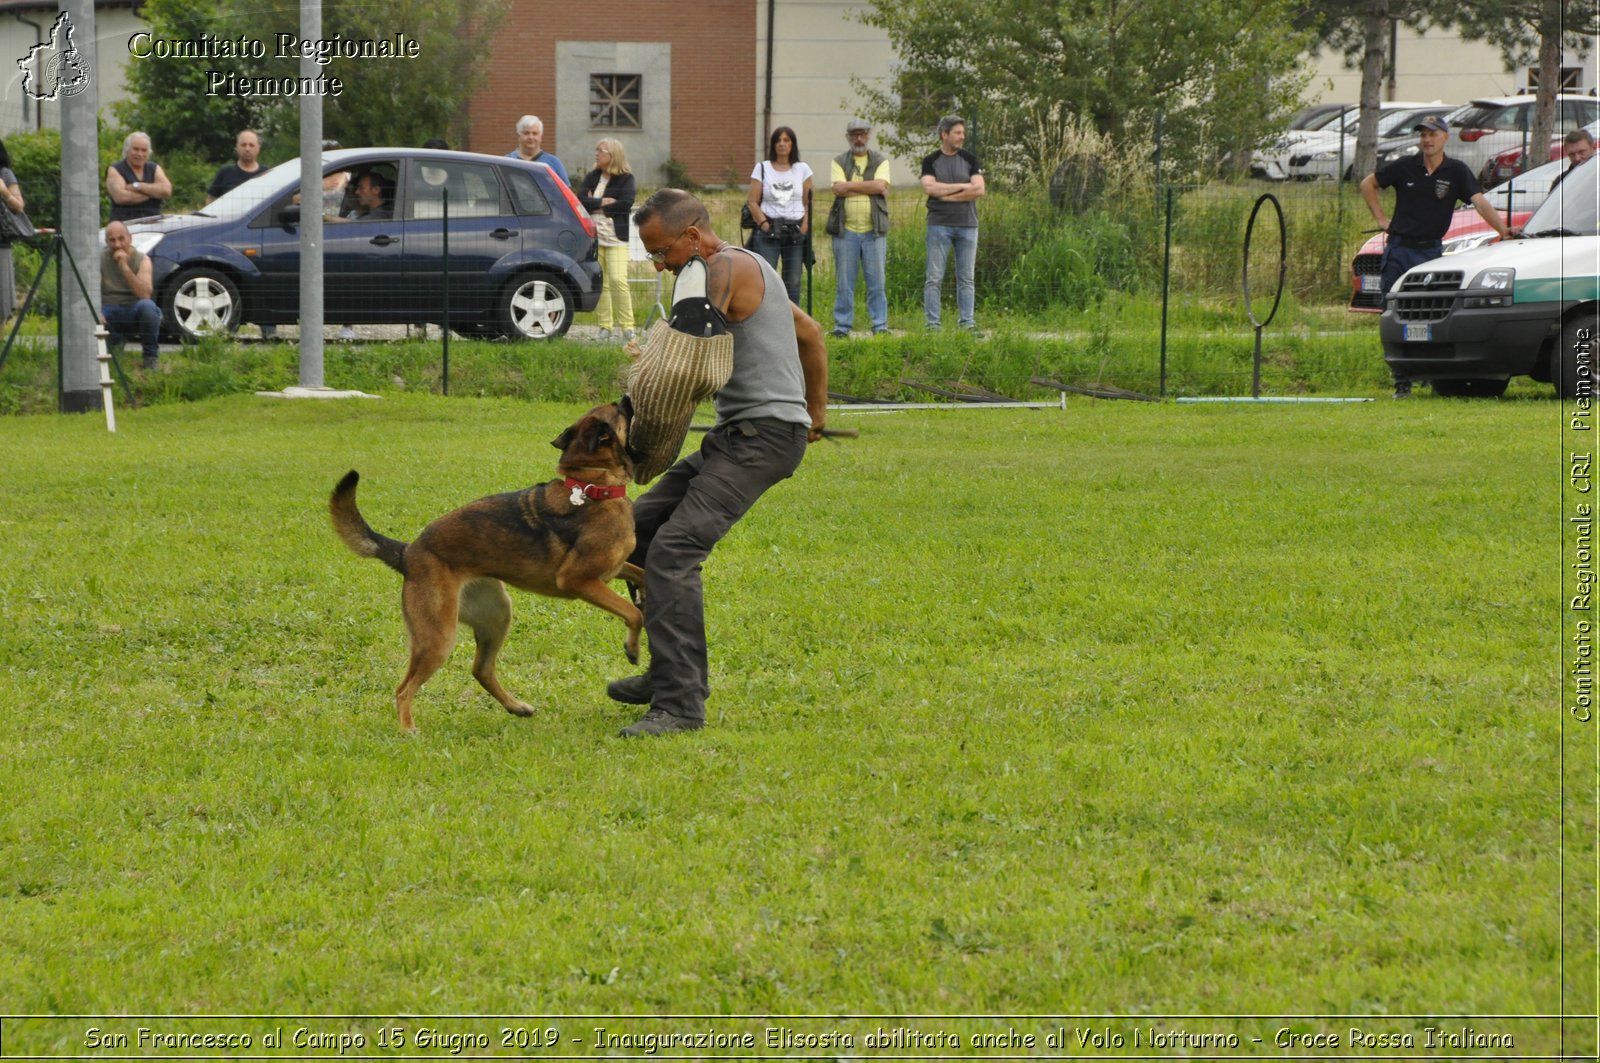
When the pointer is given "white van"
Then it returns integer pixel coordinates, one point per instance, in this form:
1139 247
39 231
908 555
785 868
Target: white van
1529 307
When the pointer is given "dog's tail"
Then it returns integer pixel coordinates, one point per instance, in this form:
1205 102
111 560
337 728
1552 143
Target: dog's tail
356 532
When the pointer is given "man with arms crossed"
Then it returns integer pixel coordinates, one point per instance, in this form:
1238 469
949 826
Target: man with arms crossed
775 402
953 181
1427 187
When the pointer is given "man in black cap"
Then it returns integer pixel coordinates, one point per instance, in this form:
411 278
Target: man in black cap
1427 186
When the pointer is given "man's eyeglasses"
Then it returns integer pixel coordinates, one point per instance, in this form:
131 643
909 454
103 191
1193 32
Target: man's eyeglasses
660 257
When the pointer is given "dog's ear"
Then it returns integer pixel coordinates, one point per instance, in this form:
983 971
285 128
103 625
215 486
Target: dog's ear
625 404
600 434
564 440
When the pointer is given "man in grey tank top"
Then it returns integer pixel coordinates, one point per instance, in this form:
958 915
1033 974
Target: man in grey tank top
774 404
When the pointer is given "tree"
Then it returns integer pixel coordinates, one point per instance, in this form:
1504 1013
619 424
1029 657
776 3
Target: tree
1360 29
168 97
383 100
1025 73
1534 33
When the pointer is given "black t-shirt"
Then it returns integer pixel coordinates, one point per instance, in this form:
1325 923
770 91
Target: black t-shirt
230 177
1423 201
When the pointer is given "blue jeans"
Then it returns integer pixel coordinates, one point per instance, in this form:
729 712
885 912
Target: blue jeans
941 238
792 257
864 252
142 319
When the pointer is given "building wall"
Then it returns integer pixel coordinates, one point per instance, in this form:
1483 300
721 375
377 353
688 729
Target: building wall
698 70
1436 65
113 27
818 47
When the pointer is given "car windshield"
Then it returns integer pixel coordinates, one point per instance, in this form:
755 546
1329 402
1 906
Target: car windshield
247 197
1573 208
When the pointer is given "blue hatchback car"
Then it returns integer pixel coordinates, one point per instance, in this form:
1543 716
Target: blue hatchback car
521 251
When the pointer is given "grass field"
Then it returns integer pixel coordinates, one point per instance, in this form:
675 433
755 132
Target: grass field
1132 709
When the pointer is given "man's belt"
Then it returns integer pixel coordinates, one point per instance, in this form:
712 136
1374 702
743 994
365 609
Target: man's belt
1415 243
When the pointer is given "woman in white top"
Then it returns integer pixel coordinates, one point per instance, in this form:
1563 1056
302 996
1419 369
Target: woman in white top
780 203
607 192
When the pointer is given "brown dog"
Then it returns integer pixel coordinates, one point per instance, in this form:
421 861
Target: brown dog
563 539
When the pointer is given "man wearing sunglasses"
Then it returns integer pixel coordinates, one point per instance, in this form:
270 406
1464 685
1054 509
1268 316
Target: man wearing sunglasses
775 403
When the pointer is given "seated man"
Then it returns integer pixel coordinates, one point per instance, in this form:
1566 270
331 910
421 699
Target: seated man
373 200
126 286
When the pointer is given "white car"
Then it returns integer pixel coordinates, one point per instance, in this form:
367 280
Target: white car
1323 160
1271 163
1470 322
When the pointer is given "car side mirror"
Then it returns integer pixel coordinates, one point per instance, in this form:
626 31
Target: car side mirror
289 215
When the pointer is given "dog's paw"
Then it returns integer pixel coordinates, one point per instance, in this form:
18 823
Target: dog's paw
632 652
520 708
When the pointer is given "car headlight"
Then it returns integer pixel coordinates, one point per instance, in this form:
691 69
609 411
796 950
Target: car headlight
1468 242
145 243
1495 278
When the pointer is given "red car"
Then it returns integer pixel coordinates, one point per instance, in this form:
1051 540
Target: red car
1467 230
1508 164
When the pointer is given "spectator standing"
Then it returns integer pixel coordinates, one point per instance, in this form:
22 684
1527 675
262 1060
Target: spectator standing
607 193
247 166
780 204
530 146
138 187
953 181
126 286
859 225
11 198
1427 187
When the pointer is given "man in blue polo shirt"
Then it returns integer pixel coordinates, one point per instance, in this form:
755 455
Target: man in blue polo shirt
1427 186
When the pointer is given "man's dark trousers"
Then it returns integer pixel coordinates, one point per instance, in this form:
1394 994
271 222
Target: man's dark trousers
677 522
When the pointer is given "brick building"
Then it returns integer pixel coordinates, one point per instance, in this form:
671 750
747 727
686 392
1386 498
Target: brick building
669 80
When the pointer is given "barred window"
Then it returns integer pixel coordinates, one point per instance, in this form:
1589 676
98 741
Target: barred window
614 101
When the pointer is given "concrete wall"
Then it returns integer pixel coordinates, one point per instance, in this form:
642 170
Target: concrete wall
818 45
1436 65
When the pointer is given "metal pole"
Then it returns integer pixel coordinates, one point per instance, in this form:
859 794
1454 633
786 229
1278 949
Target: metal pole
445 239
81 174
1166 291
311 306
1255 375
61 339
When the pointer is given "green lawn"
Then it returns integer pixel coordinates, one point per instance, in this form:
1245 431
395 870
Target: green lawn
1132 709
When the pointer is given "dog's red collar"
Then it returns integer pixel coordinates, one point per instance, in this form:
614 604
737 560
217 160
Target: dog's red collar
587 492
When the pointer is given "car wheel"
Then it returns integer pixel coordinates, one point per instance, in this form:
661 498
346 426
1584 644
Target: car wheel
1480 388
1572 364
202 302
535 306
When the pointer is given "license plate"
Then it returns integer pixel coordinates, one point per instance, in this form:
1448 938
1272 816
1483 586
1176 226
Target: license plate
1419 333
1371 282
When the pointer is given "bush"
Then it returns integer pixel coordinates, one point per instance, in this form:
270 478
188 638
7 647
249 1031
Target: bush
36 159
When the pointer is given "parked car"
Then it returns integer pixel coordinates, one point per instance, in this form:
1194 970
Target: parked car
1485 127
1521 307
1322 160
1271 163
1510 163
522 251
1405 142
1467 230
